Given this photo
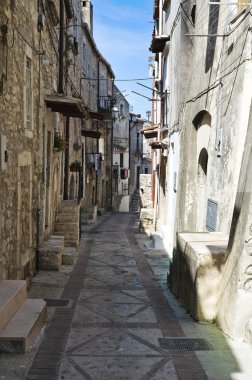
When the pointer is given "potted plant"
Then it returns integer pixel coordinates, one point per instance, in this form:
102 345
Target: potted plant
59 143
76 146
75 166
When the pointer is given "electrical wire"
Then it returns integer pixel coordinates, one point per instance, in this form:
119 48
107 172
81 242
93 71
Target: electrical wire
22 35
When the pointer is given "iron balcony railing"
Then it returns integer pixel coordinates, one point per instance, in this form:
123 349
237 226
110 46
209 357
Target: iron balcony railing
105 104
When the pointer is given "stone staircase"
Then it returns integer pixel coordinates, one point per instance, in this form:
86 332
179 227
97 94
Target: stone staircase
21 319
67 223
88 214
61 247
135 202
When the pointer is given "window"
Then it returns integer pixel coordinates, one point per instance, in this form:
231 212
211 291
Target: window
121 160
193 14
145 170
121 110
75 29
28 105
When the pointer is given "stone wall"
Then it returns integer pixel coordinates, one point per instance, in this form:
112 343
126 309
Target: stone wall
19 197
145 191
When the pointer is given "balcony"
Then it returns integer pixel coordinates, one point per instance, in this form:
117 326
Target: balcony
158 42
150 132
66 105
105 104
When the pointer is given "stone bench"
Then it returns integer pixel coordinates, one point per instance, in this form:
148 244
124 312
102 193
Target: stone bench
196 272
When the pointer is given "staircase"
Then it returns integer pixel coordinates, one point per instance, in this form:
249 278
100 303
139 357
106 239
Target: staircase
135 202
21 319
67 223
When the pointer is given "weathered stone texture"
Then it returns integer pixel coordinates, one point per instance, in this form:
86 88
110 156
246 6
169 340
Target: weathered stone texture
145 190
146 223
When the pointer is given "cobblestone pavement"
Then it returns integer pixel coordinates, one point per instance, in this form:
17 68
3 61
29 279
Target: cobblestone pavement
120 306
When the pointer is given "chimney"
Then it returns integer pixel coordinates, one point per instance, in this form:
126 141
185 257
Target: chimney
87 9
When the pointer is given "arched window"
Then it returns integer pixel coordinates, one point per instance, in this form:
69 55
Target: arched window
202 124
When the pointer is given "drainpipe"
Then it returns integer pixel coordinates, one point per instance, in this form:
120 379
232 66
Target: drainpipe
38 212
66 167
98 82
111 164
61 48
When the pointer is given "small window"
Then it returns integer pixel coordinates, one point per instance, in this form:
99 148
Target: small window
121 160
193 14
75 29
121 110
146 171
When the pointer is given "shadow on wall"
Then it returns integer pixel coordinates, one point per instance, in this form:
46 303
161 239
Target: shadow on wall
213 21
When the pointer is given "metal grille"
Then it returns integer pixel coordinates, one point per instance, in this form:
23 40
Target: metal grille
184 344
57 302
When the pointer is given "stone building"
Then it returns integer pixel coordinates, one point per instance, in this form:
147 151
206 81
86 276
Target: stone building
97 87
121 171
56 98
204 130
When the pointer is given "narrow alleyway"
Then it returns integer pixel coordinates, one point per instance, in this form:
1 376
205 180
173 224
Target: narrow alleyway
117 308
120 313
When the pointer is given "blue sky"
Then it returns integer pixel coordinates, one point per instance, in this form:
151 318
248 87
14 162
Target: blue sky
122 31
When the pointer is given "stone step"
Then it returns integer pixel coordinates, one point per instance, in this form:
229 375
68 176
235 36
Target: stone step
68 206
69 235
72 243
87 221
12 295
68 256
19 334
87 217
68 227
71 217
50 253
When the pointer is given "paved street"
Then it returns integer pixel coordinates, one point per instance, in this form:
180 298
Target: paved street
117 307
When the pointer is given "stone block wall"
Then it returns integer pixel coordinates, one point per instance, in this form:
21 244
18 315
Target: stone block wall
145 191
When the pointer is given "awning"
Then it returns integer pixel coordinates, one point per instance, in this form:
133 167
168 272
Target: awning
156 145
90 133
158 43
150 132
66 105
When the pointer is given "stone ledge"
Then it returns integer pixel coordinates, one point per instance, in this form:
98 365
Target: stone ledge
197 272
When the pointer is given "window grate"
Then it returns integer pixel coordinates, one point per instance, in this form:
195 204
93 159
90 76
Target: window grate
184 344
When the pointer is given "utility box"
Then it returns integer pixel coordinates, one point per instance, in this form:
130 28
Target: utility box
3 153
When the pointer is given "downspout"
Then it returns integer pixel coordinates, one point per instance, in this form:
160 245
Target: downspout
61 48
111 150
66 165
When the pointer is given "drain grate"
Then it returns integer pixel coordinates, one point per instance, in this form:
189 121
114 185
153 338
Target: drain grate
57 302
184 344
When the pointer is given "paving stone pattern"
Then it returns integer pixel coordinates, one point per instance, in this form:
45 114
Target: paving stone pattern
119 308
117 316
